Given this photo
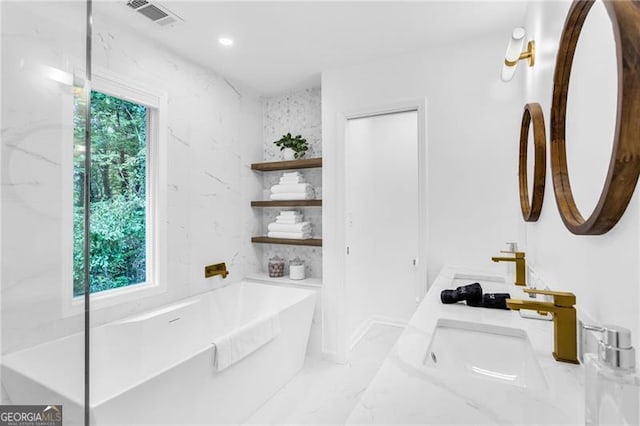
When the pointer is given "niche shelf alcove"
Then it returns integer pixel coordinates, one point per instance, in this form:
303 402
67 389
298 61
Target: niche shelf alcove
272 166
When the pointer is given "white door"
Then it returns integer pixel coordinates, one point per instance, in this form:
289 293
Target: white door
382 222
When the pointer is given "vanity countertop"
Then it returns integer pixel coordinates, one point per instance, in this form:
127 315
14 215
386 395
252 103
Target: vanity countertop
404 391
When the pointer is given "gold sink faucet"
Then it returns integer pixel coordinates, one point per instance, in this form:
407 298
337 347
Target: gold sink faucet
565 341
521 266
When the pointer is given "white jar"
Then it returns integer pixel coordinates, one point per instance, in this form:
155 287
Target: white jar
296 269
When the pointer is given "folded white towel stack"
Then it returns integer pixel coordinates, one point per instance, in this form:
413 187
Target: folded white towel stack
289 224
289 219
292 187
291 181
290 235
290 227
292 196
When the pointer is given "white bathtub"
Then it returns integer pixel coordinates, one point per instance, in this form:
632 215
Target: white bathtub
157 367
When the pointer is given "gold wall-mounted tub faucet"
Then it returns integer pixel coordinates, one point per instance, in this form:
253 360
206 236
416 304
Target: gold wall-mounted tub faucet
217 269
565 340
521 265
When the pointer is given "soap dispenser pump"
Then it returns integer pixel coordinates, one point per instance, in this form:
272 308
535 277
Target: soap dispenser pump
611 382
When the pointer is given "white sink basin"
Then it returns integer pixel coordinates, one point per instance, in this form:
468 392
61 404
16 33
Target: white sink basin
484 352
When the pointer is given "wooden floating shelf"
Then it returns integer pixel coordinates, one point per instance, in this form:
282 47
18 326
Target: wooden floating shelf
287 203
306 163
314 242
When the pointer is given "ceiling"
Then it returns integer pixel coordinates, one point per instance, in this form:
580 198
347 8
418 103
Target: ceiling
283 45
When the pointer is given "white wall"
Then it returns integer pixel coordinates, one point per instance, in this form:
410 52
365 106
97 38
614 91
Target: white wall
472 139
214 133
601 270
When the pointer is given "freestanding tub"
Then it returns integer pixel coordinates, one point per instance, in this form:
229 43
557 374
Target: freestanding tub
157 367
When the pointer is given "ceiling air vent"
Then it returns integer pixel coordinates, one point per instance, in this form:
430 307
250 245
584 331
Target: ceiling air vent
137 3
157 13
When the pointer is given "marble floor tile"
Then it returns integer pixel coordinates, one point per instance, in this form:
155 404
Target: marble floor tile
324 392
4 396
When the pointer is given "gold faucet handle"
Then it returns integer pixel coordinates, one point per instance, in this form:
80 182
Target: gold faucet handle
560 298
516 254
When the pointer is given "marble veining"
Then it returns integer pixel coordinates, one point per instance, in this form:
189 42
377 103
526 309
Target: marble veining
323 392
4 396
399 391
297 112
211 124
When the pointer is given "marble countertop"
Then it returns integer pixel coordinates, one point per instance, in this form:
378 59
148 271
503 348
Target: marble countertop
404 391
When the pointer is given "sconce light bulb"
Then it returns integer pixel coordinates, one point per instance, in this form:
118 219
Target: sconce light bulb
225 41
514 48
518 33
515 44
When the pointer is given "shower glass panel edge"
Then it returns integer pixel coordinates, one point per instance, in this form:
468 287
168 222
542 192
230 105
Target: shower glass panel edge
46 66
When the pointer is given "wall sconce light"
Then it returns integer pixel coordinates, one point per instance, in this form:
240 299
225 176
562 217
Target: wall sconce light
515 54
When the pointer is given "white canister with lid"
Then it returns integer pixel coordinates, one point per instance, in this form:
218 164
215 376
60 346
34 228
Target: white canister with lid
296 269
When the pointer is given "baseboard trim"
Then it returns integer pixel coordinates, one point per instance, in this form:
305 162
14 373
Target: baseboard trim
366 325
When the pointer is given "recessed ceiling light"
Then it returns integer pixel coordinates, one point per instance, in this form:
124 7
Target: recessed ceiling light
225 41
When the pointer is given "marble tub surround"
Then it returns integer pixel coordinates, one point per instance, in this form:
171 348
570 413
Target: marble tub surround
209 183
405 390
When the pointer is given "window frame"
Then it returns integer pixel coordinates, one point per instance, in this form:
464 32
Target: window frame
156 186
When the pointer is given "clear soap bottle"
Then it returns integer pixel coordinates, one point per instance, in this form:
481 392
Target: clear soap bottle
611 382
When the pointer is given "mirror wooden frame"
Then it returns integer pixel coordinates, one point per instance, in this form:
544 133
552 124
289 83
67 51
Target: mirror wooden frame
531 209
624 165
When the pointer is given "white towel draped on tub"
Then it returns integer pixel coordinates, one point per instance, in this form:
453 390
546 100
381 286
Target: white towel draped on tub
239 343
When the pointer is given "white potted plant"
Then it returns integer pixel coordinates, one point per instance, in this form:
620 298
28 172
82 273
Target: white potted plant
293 148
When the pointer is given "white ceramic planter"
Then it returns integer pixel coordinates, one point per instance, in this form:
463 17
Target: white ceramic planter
289 154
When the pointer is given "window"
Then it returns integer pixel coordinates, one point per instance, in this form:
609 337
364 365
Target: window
126 193
118 196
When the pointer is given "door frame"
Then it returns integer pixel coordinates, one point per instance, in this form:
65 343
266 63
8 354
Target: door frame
343 345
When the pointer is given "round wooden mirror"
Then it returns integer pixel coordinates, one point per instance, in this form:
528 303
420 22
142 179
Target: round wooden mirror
624 165
531 208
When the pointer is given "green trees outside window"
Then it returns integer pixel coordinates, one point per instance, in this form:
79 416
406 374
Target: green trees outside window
117 195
